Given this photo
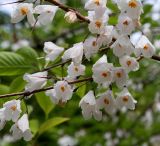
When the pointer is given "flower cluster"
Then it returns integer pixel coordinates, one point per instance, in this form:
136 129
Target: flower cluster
104 74
11 112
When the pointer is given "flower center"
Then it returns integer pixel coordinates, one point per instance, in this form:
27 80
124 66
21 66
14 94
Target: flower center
145 47
94 43
97 2
76 69
13 108
119 74
129 62
125 98
98 24
126 22
62 88
24 10
104 74
106 101
132 4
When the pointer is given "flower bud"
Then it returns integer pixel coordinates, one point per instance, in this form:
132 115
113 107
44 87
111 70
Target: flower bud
70 17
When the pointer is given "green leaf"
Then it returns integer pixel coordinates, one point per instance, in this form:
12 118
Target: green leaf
17 84
34 125
51 123
81 91
13 64
44 102
28 53
3 90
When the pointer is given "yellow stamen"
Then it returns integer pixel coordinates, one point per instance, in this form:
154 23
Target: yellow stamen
145 47
97 2
132 4
104 74
76 69
125 22
62 88
98 24
106 101
24 10
94 43
125 98
14 107
119 74
129 62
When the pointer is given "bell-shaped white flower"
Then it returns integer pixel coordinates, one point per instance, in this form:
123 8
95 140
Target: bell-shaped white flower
35 81
133 8
12 110
120 76
70 17
75 53
61 93
102 71
129 63
93 4
107 101
125 99
2 118
98 20
22 10
144 47
106 37
91 47
21 129
89 107
52 51
122 46
125 24
76 70
47 13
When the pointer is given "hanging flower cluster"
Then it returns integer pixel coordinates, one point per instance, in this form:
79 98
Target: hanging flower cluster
104 73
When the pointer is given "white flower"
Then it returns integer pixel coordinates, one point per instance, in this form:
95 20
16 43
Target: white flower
76 70
2 118
91 47
129 63
47 13
120 76
20 44
93 4
12 110
61 93
106 37
21 129
70 17
133 8
35 81
122 46
89 107
144 47
75 53
98 20
52 51
22 10
125 24
107 101
102 71
67 140
125 99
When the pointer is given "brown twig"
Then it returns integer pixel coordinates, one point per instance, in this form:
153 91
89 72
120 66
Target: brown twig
67 9
25 93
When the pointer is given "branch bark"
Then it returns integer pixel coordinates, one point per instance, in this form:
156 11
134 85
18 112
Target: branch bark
44 89
67 9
